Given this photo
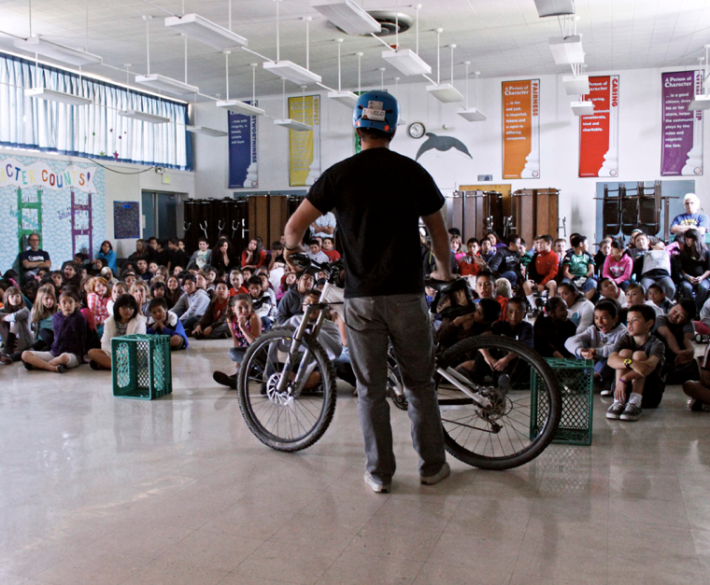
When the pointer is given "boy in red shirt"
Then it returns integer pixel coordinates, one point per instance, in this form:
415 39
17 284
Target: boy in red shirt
329 251
543 268
471 264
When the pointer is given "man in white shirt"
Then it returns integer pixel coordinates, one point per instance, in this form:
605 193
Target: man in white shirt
324 225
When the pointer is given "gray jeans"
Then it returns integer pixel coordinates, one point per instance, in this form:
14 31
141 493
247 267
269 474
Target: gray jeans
372 323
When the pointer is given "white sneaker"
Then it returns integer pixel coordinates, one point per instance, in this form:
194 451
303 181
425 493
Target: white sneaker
432 479
376 486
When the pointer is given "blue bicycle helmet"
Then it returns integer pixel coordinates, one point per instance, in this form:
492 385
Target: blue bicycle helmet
378 110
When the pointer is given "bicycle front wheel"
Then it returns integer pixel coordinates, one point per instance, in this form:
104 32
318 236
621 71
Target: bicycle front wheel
297 416
497 417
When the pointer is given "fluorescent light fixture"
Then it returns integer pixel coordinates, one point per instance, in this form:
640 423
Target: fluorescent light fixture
554 7
567 50
167 84
348 16
205 31
576 85
472 114
445 92
407 62
347 98
241 108
36 44
57 96
700 102
582 108
143 116
293 125
291 72
206 131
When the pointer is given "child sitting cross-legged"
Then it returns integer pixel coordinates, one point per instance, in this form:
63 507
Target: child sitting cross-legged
596 342
69 346
637 357
698 391
166 322
498 364
244 327
553 329
126 320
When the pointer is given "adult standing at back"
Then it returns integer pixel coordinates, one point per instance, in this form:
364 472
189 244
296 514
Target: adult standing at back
692 218
378 197
32 260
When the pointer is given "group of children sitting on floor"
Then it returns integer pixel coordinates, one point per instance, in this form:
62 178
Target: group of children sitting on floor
617 307
629 307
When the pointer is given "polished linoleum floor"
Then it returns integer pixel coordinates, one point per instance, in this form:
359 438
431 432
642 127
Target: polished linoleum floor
102 491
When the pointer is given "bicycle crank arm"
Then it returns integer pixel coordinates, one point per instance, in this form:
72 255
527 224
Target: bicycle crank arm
462 383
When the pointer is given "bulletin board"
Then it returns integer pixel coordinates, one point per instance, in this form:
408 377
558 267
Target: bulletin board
126 220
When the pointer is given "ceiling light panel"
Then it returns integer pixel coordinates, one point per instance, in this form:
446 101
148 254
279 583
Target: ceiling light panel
347 98
407 62
143 116
289 71
57 96
472 114
445 93
567 50
554 7
167 84
582 108
701 102
206 131
578 85
348 16
205 31
57 51
293 125
241 108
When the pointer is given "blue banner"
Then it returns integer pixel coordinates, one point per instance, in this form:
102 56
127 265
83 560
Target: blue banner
243 169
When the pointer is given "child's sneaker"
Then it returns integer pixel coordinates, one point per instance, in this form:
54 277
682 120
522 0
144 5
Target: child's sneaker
615 410
696 405
631 412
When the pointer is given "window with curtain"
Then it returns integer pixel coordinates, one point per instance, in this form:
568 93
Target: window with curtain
96 130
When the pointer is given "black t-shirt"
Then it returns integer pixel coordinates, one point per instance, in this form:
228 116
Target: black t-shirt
378 197
30 256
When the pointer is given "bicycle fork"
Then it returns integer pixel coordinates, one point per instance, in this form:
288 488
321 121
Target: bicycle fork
305 365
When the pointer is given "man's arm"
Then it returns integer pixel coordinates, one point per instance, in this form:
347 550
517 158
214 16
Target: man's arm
297 225
439 244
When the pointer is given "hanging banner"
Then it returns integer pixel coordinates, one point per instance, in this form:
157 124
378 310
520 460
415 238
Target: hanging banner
304 147
682 152
521 129
599 132
243 164
13 173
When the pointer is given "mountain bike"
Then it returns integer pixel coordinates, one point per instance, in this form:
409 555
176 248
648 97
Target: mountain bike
491 420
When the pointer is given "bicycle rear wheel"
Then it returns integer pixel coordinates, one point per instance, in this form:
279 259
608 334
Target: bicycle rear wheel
523 407
296 418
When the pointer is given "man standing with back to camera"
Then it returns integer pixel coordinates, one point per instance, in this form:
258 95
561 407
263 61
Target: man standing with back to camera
378 197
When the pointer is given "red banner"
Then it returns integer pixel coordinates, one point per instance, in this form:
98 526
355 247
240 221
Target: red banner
599 133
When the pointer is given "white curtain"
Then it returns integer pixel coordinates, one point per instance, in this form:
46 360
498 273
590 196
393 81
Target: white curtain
95 130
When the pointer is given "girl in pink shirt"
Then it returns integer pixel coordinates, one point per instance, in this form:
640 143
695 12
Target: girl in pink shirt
618 266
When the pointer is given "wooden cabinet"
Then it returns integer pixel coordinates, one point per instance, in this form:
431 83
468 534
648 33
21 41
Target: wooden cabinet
536 213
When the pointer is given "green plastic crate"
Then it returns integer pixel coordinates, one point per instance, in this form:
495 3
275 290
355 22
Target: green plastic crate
576 378
141 366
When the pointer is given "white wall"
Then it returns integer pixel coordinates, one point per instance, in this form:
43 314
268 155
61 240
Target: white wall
639 142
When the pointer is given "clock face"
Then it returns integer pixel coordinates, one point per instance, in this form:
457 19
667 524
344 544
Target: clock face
416 130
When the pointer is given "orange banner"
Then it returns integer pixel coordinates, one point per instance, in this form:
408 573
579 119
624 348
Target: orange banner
521 129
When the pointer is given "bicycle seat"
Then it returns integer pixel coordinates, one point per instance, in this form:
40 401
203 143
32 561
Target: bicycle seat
446 286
